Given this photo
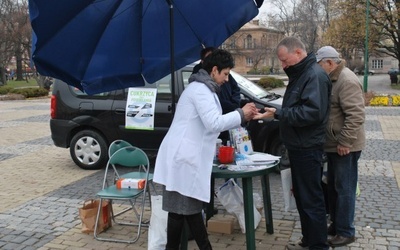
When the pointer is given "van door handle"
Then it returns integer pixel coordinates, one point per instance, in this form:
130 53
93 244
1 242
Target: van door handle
169 107
120 111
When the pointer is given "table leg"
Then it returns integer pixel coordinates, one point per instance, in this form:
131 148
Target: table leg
210 206
249 212
267 203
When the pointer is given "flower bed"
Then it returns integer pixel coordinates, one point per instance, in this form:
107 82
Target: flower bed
385 100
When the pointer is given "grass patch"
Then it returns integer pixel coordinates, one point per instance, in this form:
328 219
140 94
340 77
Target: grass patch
17 90
18 84
395 86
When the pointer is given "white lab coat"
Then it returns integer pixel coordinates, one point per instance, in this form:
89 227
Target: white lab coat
185 158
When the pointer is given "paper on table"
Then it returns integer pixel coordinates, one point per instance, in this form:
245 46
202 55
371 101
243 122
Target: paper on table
249 167
257 159
263 157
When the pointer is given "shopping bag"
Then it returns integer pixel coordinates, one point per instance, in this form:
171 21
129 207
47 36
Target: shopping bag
231 197
290 202
157 236
88 213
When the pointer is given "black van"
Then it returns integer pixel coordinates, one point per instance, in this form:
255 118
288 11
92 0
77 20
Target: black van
87 124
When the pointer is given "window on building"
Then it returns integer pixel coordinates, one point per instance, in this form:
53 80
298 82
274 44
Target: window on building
233 44
249 61
264 41
377 64
248 42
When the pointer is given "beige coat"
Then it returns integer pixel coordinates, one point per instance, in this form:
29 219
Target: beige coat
347 112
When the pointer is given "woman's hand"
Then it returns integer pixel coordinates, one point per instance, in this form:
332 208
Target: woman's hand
249 110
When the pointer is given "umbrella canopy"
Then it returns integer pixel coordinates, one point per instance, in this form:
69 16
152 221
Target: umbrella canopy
103 45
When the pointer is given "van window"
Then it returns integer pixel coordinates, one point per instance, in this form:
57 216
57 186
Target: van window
164 88
77 92
164 85
185 77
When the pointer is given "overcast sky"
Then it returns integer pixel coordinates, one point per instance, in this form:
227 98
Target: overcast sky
265 9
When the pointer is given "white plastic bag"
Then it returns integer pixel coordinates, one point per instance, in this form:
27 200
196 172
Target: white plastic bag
157 236
231 197
258 202
290 202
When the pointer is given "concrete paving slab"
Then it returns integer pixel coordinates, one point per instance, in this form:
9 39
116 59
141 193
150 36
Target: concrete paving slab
42 189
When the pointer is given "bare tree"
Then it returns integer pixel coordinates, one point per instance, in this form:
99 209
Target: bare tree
6 44
286 17
309 21
346 31
305 19
15 39
384 16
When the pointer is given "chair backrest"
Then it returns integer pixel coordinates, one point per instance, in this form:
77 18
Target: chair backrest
117 144
129 156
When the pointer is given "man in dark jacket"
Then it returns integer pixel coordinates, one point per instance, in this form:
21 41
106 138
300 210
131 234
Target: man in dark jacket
303 118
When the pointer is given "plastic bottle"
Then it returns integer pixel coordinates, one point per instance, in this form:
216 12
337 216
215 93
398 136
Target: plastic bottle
219 144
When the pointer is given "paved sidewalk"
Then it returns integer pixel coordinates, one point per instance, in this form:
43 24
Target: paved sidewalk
41 189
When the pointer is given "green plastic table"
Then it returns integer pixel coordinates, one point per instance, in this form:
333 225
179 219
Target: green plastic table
247 183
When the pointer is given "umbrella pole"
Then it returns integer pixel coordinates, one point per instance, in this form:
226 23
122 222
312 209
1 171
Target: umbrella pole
172 50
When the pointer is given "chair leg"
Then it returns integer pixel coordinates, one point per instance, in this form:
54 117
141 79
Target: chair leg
96 224
139 217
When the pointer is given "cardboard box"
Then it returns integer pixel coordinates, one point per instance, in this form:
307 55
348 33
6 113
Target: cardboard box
223 225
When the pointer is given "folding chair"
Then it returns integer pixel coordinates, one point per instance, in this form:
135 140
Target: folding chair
137 159
118 144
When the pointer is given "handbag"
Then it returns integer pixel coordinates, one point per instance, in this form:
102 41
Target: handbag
288 197
88 213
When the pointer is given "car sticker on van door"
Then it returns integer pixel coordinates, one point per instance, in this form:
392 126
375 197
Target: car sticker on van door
140 105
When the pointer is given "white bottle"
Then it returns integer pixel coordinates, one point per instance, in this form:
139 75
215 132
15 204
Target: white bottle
218 145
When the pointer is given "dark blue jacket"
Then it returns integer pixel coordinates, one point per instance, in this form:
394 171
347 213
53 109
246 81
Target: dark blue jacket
305 107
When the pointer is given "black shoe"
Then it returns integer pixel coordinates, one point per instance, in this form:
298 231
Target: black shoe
297 246
331 230
339 241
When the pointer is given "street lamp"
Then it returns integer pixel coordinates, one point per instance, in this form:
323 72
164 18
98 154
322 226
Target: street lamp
366 56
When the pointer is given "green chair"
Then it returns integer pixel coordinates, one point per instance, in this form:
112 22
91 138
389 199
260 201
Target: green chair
118 144
136 159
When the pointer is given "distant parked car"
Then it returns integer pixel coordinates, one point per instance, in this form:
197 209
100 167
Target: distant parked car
361 72
393 70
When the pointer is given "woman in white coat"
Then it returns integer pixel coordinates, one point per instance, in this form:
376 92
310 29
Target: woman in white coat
184 161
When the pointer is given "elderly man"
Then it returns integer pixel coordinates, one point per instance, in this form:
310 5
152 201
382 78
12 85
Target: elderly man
302 120
344 142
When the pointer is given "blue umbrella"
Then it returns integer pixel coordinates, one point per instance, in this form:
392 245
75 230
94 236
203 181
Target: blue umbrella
103 45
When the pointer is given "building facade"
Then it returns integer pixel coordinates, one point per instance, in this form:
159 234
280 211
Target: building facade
253 48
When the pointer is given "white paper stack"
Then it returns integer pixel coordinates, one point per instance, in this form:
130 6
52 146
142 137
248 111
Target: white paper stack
257 158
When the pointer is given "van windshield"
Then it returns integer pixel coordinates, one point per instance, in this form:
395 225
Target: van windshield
248 85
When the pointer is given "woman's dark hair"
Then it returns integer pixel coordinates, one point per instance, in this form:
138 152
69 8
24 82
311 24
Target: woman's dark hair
205 51
220 58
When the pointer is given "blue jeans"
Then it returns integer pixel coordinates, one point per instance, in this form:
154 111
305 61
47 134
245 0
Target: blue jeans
306 167
342 185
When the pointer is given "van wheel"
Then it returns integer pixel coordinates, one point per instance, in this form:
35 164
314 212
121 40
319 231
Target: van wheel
278 149
88 150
